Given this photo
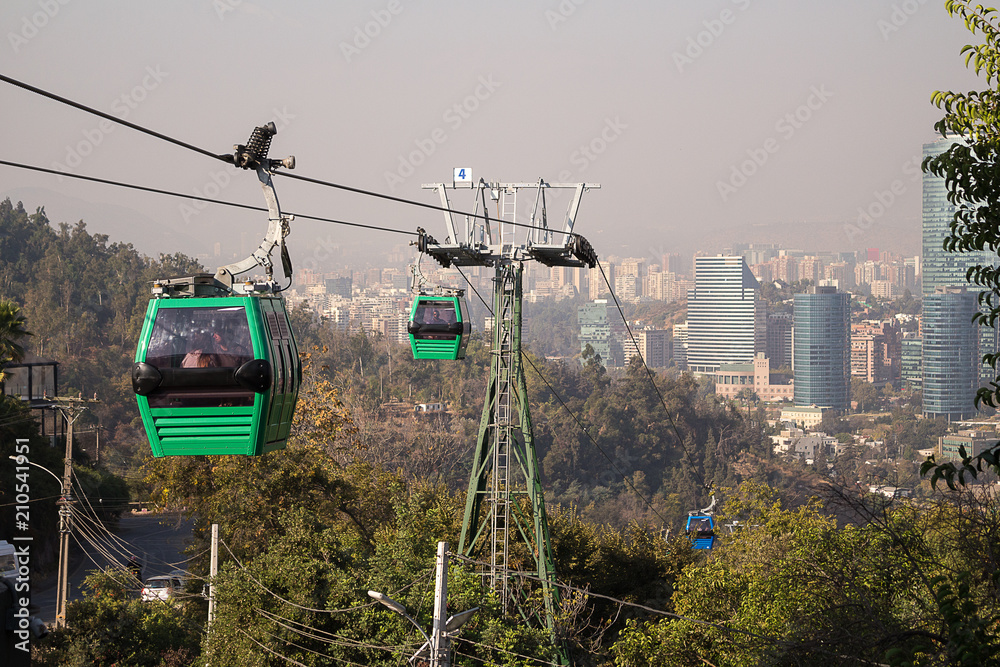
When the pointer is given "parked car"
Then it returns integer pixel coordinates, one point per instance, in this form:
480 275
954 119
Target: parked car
164 587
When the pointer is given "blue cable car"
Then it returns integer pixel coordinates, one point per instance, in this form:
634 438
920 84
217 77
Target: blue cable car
700 530
700 526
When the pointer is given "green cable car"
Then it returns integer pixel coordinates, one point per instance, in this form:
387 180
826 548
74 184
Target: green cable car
217 370
216 374
439 326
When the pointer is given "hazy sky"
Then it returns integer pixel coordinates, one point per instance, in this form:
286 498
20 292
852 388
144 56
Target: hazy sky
704 122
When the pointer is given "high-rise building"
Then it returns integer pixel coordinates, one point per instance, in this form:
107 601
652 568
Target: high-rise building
680 345
940 268
655 346
822 348
911 363
950 353
725 316
598 326
779 339
599 279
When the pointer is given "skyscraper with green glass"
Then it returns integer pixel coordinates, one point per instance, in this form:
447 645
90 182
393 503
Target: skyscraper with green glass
941 269
950 356
821 347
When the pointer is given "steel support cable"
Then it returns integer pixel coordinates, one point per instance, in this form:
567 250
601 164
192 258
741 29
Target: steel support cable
413 202
572 414
635 605
107 116
311 632
288 642
98 547
652 381
501 650
270 650
227 158
168 193
110 553
293 604
33 500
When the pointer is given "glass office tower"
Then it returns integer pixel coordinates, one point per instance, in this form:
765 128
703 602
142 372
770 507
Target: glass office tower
726 318
950 356
822 348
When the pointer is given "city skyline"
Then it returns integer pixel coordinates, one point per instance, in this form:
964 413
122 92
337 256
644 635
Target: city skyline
653 100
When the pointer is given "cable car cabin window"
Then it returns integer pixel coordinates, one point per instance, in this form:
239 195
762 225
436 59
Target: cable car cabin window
435 320
202 347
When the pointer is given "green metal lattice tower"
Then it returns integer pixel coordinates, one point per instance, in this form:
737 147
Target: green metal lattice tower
505 522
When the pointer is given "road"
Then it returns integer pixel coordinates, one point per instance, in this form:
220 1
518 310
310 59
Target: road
158 540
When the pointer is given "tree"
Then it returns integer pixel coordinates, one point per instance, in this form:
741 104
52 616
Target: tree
110 627
11 331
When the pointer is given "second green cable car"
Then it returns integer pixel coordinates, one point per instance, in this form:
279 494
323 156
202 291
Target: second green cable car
439 326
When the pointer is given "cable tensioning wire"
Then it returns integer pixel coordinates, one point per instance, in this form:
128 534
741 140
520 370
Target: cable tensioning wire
107 116
308 631
289 602
168 193
565 407
652 380
225 157
661 612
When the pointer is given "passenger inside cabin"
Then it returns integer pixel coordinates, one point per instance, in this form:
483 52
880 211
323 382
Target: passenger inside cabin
199 356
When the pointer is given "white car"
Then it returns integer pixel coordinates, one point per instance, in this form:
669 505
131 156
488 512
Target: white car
164 587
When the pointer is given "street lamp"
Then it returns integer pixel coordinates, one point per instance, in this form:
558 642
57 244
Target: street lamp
397 607
62 585
21 460
424 652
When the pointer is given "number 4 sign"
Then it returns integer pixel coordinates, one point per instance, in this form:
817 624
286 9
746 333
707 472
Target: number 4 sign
463 175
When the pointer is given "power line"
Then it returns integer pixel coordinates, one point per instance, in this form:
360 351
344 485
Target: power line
289 602
636 605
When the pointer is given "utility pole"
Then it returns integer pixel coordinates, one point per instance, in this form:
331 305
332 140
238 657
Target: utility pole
212 572
505 504
440 653
71 409
436 649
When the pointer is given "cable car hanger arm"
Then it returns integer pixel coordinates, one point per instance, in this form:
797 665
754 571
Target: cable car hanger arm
254 156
